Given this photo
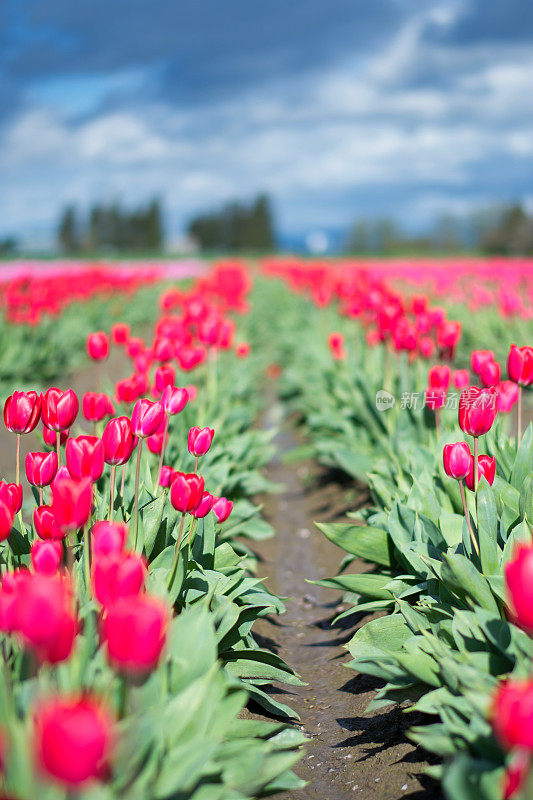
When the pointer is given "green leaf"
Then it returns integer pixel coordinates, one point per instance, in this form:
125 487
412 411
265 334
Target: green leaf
487 528
372 544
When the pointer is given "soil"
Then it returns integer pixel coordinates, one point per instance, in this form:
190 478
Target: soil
350 753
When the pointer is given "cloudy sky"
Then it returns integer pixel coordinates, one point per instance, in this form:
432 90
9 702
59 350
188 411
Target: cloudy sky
338 108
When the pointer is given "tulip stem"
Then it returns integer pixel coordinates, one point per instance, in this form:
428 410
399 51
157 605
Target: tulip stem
112 491
122 481
87 557
40 495
18 460
196 466
163 449
437 423
137 473
467 517
58 448
476 465
519 407
123 696
174 566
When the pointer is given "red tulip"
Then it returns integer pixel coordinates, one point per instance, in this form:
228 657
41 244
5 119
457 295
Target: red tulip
512 714
43 616
242 349
120 332
147 418
98 346
11 496
426 346
167 476
222 508
507 396
118 574
6 521
72 502
46 556
41 468
174 400
118 441
163 350
457 460
135 346
520 365
204 506
336 345
199 440
486 469
126 391
477 410
439 377
478 358
45 523
186 491
108 537
519 581
515 774
134 631
489 373
96 406
22 411
461 378
448 335
85 457
72 739
164 376
50 437
59 409
435 398
156 441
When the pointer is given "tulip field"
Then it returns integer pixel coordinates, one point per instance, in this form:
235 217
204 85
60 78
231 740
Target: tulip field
147 653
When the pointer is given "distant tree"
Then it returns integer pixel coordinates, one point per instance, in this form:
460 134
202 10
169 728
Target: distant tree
68 234
8 246
236 227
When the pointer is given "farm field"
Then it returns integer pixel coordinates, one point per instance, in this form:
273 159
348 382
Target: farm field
265 529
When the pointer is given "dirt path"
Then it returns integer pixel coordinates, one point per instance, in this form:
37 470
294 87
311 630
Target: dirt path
350 754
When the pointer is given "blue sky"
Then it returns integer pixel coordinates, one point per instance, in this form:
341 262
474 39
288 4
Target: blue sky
340 109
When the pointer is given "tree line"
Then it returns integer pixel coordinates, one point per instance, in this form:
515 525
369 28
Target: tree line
111 228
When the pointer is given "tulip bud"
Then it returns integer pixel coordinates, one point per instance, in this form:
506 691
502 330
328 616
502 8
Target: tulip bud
520 365
50 437
336 345
174 400
457 459
486 469
426 346
243 349
163 350
435 398
46 556
477 410
461 378
6 521
199 440
512 714
489 373
507 396
72 739
108 537
222 508
11 495
85 457
120 332
59 409
22 411
45 523
439 376
126 391
135 346
72 502
147 417
41 468
118 574
118 441
98 346
156 441
164 376
204 506
186 491
134 632
96 406
166 477
44 617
